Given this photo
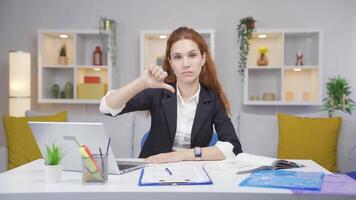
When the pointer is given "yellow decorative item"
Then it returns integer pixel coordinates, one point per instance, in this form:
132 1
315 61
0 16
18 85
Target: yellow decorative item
262 59
309 138
91 90
262 50
22 147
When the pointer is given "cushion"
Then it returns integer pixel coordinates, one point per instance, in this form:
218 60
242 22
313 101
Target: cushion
309 138
22 147
258 134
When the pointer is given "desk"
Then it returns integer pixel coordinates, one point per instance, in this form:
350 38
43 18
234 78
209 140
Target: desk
28 182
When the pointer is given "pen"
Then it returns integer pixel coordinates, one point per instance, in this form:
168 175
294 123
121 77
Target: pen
107 147
102 161
168 171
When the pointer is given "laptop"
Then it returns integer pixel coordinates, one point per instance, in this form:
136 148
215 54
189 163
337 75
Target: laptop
93 135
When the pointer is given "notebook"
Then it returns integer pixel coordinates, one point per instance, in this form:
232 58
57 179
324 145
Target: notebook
247 163
92 135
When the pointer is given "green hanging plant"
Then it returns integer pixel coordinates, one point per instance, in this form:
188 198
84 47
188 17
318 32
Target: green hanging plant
245 30
338 92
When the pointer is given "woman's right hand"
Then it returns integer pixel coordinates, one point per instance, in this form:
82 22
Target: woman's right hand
154 76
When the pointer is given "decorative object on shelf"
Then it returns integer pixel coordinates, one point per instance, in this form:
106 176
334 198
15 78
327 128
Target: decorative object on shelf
53 156
338 92
63 59
91 90
107 28
19 83
268 96
68 90
254 98
299 58
245 30
55 90
262 59
289 96
97 56
91 79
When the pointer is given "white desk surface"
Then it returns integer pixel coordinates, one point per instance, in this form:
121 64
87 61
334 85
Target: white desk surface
28 182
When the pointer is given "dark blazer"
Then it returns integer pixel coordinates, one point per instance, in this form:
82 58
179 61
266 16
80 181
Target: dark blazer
162 105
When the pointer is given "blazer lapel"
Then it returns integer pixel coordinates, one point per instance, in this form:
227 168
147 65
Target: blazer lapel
170 109
201 114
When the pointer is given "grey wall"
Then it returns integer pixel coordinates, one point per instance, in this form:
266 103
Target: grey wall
20 20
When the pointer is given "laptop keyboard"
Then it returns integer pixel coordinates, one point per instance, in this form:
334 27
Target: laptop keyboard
125 166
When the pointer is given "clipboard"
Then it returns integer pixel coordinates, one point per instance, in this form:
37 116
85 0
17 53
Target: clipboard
173 181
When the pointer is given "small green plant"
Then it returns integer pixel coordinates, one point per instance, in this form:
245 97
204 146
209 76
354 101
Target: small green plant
245 29
63 52
338 92
54 154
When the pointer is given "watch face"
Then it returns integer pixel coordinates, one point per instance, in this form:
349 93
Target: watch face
197 152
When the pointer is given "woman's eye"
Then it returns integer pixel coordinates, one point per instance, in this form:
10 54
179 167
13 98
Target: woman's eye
192 55
177 57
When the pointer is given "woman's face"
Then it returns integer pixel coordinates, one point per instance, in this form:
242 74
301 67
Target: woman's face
186 61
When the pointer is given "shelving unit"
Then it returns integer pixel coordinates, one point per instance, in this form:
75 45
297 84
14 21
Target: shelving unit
282 82
153 45
80 45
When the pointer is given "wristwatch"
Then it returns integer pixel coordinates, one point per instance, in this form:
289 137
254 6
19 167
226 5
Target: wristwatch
197 153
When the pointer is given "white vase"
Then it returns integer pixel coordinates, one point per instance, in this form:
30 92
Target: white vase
53 173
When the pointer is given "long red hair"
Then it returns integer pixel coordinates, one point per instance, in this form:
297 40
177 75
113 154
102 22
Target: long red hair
208 75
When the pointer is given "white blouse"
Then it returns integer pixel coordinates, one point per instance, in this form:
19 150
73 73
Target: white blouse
185 118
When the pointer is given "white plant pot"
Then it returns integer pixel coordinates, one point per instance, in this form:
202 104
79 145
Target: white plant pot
53 173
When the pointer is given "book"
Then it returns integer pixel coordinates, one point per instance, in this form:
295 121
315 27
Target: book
174 174
285 179
247 163
91 79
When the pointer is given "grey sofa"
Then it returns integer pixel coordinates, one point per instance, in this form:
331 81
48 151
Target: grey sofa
258 134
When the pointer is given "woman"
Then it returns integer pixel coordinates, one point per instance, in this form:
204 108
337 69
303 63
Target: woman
185 100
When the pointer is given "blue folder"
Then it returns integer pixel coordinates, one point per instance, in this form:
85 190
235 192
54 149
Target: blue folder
285 179
165 182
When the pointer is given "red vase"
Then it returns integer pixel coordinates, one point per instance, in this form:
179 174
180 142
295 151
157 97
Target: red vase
97 56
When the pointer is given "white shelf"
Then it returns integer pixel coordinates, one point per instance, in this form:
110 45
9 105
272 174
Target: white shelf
80 46
289 84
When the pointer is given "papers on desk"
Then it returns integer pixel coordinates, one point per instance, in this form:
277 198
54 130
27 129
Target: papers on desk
247 163
285 179
174 174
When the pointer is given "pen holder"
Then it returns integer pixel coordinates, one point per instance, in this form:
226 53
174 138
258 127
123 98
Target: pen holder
95 169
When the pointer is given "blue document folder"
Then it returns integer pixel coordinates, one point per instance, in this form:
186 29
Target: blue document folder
159 175
285 179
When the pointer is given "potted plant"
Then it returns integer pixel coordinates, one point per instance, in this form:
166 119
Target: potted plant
338 92
63 59
245 30
53 156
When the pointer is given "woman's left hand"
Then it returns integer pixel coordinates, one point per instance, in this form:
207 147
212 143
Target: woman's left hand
165 157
